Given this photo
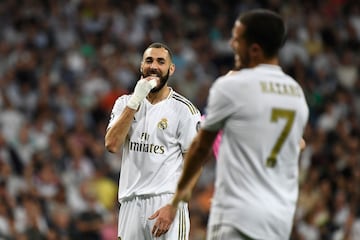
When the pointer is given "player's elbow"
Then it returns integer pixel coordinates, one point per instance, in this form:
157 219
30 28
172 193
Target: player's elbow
110 145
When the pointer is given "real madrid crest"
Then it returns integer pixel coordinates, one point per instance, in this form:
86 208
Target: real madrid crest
163 124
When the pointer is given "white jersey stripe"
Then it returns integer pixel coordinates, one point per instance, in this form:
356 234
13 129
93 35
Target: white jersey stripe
191 107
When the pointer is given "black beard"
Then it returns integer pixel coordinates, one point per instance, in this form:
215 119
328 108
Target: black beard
163 81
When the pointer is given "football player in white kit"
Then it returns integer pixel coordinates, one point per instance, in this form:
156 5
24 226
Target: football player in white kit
154 126
262 113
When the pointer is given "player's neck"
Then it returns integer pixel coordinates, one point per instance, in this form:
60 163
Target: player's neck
271 61
154 98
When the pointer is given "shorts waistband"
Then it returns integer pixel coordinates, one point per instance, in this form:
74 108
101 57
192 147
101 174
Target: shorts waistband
142 197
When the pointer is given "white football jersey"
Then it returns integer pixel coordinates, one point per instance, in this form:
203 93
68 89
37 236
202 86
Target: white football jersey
263 113
152 158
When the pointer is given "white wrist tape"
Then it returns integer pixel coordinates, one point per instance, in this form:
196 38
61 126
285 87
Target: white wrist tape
142 89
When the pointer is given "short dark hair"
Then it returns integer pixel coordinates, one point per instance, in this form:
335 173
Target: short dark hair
161 45
265 28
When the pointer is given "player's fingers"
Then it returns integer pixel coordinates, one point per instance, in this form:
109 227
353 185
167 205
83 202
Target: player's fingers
159 230
154 230
154 215
153 83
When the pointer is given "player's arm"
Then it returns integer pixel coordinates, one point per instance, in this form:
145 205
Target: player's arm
196 176
194 160
198 153
165 215
115 136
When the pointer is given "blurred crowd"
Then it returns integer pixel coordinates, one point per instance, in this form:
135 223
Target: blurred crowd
64 62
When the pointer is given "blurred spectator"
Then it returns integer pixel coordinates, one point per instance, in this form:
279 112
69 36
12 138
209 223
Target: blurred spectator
110 226
90 214
347 71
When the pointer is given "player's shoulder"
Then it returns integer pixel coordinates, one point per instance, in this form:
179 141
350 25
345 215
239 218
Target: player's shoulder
233 80
183 103
122 98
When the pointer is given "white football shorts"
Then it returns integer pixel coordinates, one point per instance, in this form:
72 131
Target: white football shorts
133 220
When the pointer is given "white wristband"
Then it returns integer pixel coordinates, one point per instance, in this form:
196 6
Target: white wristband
134 102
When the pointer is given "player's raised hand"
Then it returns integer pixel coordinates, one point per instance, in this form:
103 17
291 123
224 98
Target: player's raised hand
142 89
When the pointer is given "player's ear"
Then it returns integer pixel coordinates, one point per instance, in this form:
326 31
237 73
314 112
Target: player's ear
255 52
141 66
171 69
255 49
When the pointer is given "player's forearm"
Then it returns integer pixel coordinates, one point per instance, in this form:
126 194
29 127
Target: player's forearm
115 136
195 178
194 160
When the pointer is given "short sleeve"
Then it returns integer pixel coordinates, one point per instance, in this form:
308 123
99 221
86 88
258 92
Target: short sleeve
219 107
188 128
117 109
